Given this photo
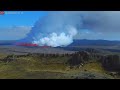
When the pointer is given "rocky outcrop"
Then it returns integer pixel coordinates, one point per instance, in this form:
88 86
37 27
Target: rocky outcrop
9 58
79 58
111 62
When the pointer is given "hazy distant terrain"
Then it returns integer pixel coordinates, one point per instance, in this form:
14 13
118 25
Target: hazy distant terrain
78 45
7 42
10 49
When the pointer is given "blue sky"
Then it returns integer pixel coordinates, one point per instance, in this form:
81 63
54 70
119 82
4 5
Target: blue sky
20 18
16 24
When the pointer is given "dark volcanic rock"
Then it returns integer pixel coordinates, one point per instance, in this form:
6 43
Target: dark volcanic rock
79 58
9 58
91 50
111 62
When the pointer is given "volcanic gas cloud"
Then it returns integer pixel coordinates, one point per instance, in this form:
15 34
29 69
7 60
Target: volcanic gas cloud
55 29
58 28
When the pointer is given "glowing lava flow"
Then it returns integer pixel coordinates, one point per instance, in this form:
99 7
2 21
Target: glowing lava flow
31 45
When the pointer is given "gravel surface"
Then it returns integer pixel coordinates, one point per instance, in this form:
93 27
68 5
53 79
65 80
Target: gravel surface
9 49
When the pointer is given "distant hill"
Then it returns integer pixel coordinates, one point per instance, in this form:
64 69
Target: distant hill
85 42
76 42
7 42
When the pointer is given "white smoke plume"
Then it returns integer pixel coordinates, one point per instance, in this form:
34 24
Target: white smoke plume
58 28
55 29
55 40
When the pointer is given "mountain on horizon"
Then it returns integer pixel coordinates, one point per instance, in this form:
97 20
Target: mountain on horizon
77 42
7 42
86 42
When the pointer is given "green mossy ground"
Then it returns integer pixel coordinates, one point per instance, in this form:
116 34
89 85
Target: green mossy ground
33 67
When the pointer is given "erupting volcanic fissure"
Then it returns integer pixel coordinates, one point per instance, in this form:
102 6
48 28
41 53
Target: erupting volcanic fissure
31 45
58 28
26 44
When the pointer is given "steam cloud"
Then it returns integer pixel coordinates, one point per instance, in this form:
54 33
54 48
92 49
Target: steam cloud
58 28
55 40
55 29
